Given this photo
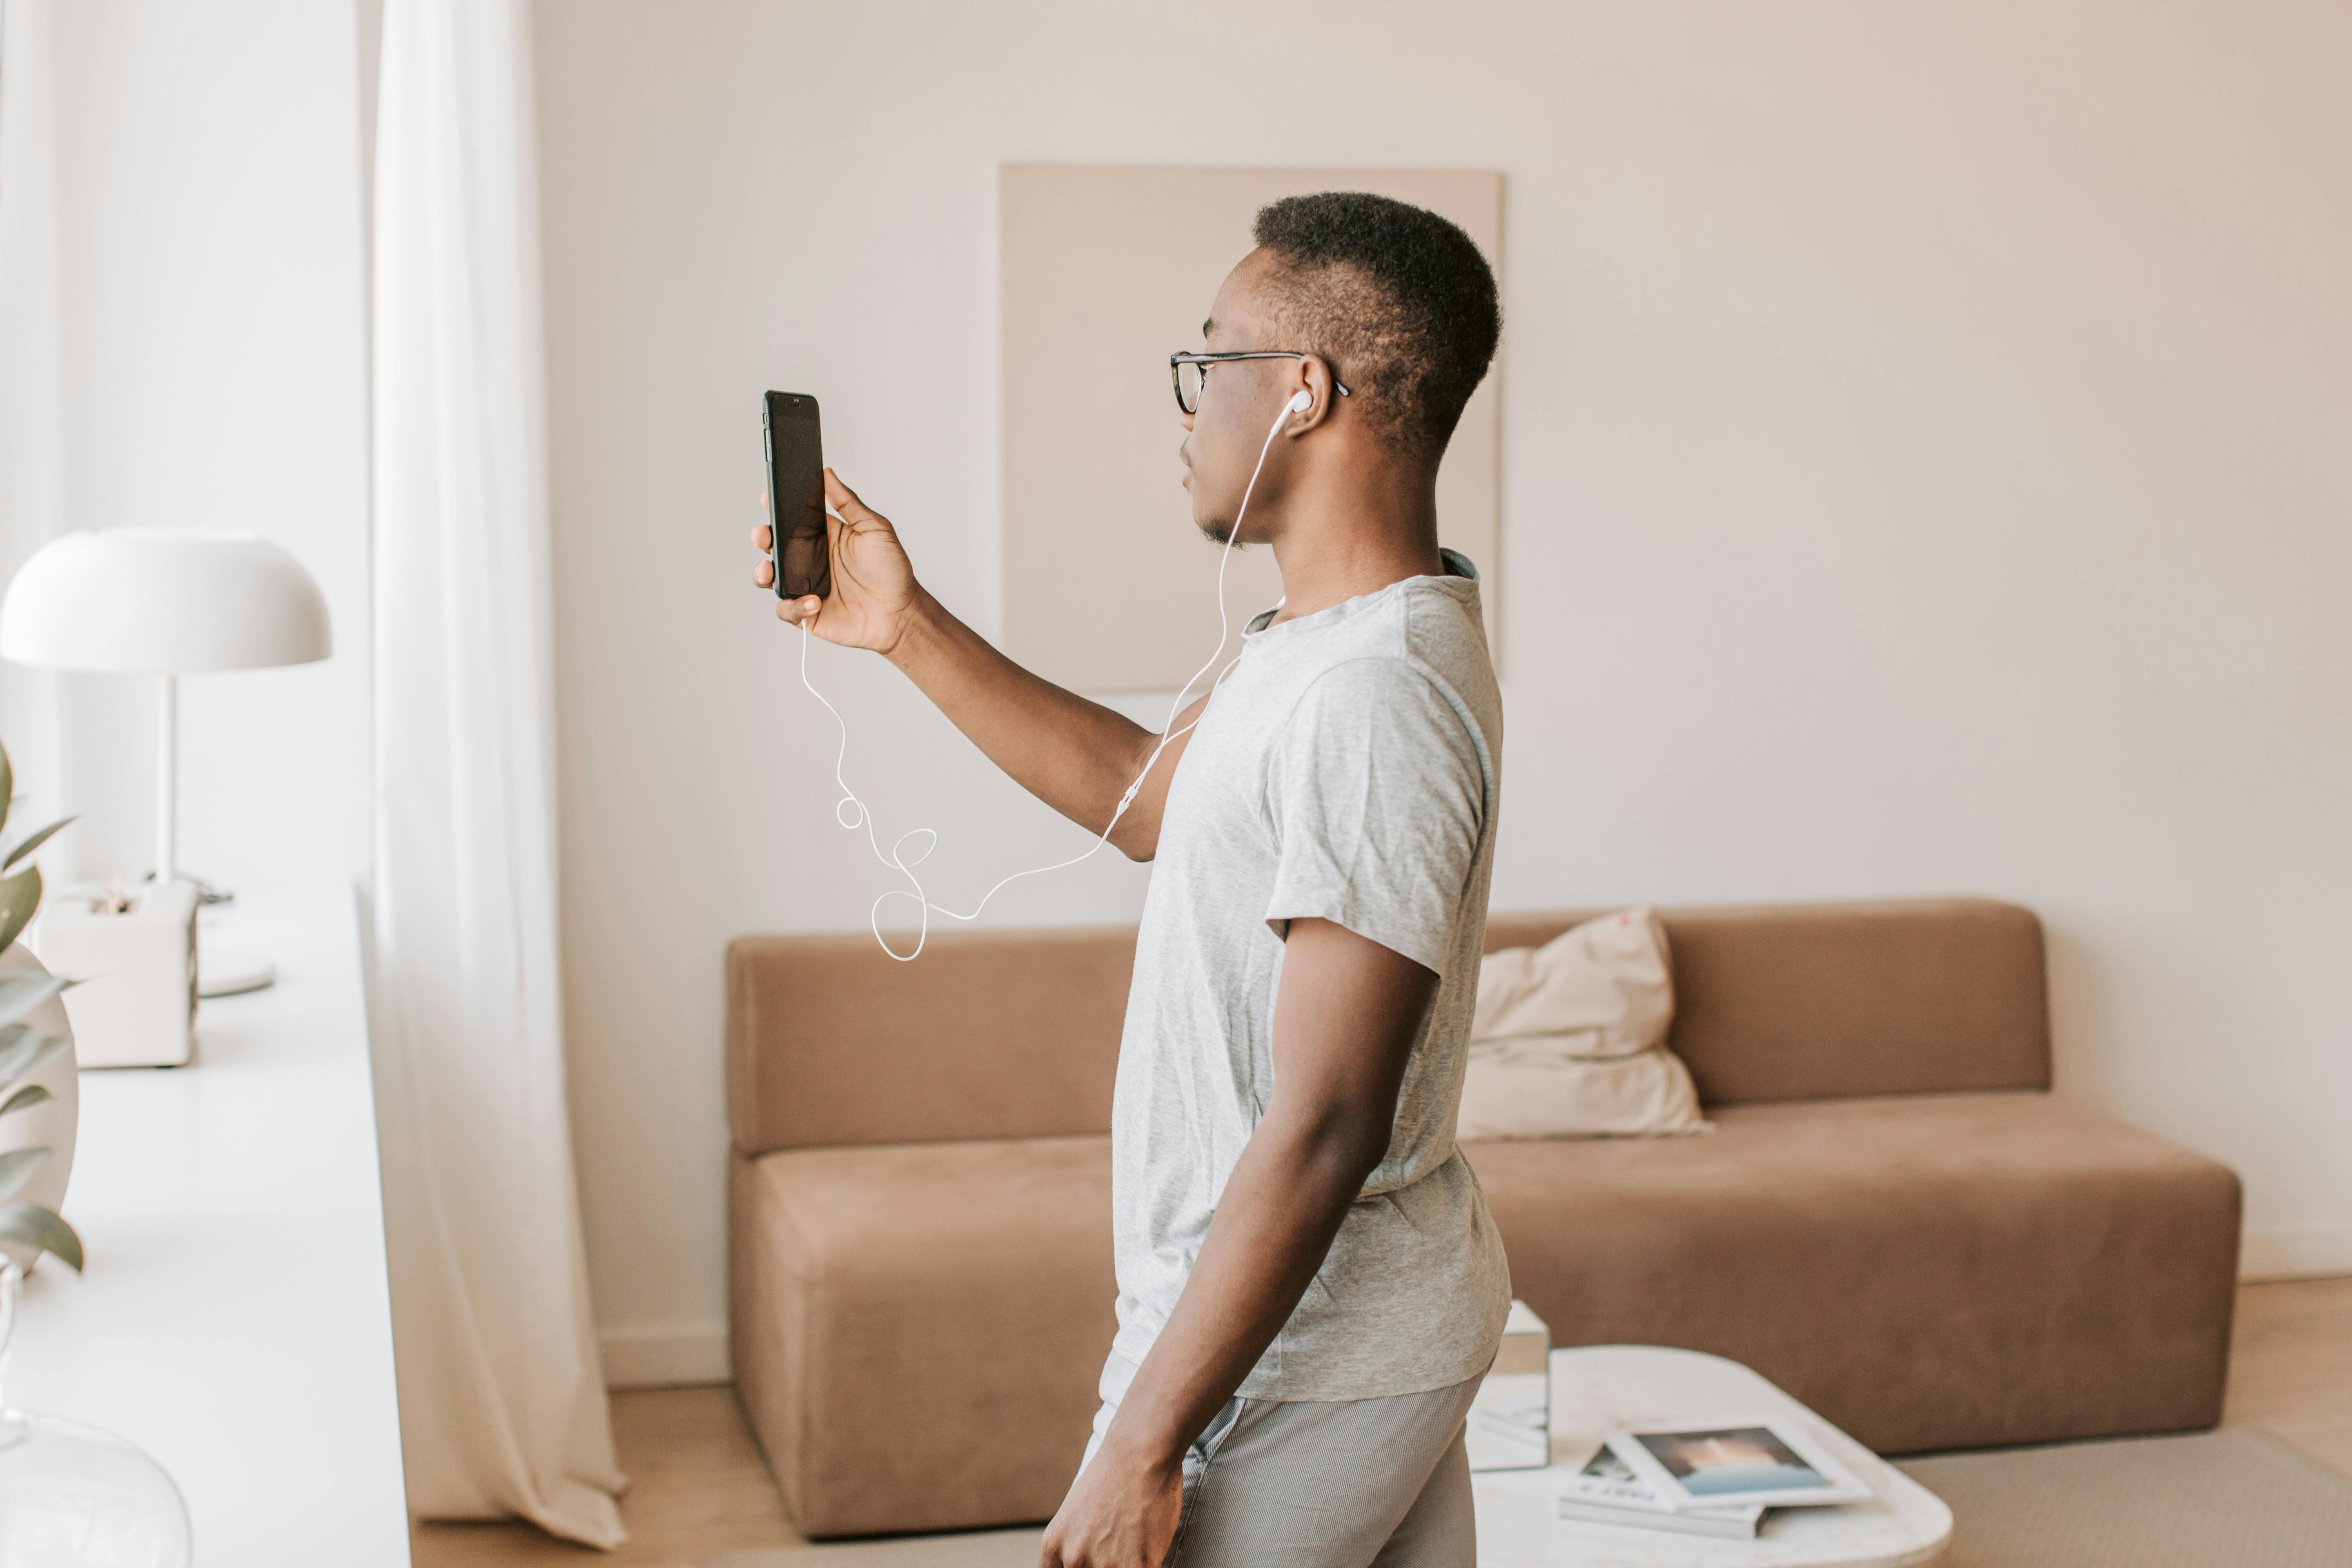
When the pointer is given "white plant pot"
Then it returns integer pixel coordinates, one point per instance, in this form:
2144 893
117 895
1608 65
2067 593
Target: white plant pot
54 1122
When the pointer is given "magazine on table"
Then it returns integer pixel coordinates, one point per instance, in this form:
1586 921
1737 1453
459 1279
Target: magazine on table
1775 1464
1606 1491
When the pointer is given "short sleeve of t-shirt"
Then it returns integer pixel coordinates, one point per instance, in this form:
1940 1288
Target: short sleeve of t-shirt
1375 795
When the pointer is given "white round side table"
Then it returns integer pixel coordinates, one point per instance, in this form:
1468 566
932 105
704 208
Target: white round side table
1599 1387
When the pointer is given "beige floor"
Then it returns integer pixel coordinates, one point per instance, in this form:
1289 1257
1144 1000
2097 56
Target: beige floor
697 1484
2290 1366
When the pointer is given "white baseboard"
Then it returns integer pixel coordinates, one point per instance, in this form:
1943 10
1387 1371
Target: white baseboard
2304 1252
671 1356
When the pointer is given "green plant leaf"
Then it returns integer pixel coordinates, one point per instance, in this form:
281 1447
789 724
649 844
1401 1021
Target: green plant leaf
8 787
20 895
25 1098
35 842
22 1052
37 1226
22 990
16 1168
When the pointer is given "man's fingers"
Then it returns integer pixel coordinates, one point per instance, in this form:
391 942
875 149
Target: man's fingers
763 538
844 499
797 610
763 575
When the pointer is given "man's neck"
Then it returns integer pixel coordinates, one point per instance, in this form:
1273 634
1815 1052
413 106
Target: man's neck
1351 527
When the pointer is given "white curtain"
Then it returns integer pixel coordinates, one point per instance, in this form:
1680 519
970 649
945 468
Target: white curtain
502 1401
31 500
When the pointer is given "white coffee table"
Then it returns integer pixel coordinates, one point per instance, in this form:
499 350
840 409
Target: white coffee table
1602 1386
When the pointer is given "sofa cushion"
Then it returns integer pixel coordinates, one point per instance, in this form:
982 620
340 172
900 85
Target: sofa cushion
1927 1271
918 1328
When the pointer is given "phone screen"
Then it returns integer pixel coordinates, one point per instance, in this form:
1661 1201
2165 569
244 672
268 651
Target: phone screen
796 497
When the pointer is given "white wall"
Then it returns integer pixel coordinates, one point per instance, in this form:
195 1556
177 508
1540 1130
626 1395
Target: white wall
211 352
1925 470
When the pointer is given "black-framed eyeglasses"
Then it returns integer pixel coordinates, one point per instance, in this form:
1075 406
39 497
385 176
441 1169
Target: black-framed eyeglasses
1191 372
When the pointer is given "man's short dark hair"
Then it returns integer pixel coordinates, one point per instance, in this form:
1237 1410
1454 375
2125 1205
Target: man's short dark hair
1396 298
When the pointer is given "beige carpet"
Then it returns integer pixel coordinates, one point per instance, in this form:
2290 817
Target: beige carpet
2233 1499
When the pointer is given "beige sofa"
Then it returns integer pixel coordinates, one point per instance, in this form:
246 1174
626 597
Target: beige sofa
1894 1220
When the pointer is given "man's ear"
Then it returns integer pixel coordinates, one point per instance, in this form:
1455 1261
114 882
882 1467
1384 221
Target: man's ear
1321 387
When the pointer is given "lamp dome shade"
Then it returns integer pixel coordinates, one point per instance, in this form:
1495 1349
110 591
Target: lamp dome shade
162 601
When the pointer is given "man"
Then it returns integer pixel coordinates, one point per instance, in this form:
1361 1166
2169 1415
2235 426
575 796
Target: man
1310 1285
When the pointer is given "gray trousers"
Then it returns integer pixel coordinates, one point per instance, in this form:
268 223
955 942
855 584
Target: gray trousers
1360 1483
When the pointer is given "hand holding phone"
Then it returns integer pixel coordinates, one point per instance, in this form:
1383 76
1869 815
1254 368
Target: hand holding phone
847 577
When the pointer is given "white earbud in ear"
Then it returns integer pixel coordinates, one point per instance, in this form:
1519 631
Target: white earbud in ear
1300 404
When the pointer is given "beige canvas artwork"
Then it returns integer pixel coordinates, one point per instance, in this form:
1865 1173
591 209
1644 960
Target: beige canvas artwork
1106 271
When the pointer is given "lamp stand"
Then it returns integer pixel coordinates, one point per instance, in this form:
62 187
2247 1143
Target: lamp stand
167 780
226 971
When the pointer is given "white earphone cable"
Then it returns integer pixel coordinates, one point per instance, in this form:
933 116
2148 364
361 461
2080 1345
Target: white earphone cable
853 812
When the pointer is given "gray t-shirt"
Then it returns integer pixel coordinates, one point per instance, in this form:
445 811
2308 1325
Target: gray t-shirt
1346 770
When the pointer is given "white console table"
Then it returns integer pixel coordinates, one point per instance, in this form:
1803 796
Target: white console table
235 1321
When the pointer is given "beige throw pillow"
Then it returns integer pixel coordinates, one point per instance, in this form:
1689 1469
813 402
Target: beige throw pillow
1568 1038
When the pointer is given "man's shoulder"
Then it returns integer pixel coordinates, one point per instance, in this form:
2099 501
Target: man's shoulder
1442 625
1422 645
1434 622
1384 705
1435 629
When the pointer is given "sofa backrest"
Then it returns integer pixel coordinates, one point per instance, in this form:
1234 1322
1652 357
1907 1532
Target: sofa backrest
1831 1001
990 1034
999 1034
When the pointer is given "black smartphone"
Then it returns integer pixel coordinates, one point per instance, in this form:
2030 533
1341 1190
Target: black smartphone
796 496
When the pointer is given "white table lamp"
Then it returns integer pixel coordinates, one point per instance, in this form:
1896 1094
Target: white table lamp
168 601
